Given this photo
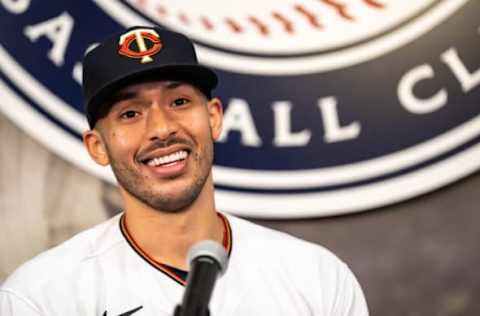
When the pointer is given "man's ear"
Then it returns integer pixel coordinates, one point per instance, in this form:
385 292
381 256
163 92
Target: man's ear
95 146
215 111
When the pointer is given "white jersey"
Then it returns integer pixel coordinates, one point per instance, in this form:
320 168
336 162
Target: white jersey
100 272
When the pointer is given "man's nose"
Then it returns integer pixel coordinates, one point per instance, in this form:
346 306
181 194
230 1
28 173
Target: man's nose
160 124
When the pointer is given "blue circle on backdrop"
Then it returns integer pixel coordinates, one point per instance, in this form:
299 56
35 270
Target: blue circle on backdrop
329 108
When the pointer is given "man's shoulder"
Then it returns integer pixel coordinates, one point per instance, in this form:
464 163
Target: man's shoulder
295 265
270 244
65 259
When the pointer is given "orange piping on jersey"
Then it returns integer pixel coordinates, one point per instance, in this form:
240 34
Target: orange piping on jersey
227 234
227 243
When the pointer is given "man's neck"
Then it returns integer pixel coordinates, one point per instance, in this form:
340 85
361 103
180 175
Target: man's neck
167 237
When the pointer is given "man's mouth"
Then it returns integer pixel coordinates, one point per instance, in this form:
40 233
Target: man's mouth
167 160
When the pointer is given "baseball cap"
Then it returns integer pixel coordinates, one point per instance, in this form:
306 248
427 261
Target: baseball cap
140 54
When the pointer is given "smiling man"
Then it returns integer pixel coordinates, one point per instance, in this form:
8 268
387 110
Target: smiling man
153 121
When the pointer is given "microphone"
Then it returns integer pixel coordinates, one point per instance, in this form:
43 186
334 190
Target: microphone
207 260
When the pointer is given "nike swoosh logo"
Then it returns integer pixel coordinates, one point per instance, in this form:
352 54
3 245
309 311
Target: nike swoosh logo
130 312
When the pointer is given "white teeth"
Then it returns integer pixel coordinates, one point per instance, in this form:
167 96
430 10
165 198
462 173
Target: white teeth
179 155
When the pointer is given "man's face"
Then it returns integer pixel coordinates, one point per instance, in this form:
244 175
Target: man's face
158 139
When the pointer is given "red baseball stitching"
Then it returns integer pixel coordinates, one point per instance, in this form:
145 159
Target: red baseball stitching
142 3
262 28
234 26
260 25
312 18
287 25
340 8
184 18
161 10
207 24
374 4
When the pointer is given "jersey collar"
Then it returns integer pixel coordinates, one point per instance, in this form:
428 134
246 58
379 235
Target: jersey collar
171 272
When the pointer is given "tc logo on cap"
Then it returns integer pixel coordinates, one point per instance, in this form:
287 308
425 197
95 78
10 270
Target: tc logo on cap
139 36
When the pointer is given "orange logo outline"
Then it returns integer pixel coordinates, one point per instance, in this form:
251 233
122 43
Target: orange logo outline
139 35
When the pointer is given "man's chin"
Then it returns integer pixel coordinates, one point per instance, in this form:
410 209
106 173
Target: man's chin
172 206
173 196
177 200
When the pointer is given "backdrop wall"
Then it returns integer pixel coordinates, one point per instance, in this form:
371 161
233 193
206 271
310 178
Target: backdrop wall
352 124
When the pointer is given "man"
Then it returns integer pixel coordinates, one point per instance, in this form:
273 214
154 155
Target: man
153 120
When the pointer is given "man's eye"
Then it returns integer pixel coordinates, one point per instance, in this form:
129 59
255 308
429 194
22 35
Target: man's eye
128 114
180 102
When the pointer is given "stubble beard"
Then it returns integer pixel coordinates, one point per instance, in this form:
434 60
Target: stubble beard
139 187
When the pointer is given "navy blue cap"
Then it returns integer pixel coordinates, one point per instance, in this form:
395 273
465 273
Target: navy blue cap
136 55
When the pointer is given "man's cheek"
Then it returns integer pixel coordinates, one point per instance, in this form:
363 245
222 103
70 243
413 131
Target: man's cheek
123 140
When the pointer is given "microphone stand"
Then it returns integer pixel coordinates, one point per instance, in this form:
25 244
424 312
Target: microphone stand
179 312
208 259
195 299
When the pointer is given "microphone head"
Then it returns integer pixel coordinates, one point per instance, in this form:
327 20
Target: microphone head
210 249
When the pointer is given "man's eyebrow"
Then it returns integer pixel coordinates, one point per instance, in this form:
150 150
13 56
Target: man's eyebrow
174 85
127 95
121 96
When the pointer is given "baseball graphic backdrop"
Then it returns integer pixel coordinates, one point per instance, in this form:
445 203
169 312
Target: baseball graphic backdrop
332 107
304 83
